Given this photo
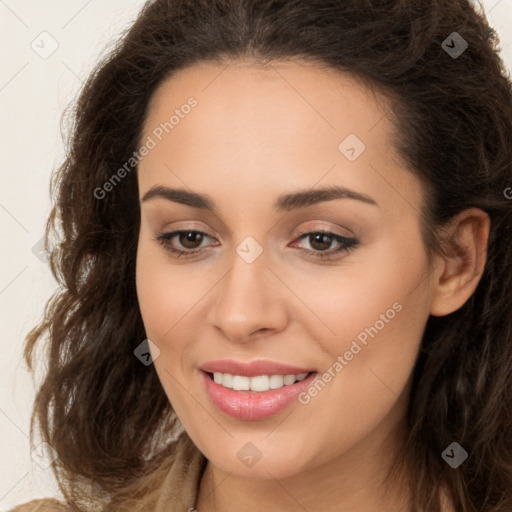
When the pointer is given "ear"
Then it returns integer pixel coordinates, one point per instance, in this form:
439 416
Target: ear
458 271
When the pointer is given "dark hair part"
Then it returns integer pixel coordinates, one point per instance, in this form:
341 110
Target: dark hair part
104 412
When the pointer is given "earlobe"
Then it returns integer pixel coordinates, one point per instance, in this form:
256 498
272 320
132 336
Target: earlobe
460 268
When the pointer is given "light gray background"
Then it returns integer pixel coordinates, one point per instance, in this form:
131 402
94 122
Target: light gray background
33 94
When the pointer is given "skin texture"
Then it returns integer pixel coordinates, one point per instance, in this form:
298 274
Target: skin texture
256 133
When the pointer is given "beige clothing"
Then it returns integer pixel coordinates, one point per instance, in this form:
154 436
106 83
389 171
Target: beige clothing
178 492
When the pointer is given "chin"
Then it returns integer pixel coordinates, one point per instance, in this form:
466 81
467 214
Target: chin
250 462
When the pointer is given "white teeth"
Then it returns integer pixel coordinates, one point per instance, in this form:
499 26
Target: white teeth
258 383
276 381
241 383
289 379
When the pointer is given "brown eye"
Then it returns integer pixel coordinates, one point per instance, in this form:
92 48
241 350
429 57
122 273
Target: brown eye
320 241
182 242
320 244
188 239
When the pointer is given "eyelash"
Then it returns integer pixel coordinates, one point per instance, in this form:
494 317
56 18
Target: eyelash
347 244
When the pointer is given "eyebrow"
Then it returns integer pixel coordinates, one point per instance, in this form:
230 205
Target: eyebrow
285 202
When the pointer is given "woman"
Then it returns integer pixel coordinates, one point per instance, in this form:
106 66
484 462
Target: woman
284 236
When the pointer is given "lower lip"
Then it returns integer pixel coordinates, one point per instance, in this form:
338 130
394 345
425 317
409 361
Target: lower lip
254 405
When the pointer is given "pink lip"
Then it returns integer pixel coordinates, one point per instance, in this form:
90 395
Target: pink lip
252 368
254 405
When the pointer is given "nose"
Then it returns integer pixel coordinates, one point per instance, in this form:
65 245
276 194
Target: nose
250 301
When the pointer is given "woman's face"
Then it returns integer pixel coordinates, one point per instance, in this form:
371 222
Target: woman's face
247 137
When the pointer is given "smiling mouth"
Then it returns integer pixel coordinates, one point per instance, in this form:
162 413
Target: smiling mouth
256 384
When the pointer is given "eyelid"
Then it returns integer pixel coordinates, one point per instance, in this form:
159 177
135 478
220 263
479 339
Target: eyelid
301 232
323 228
346 244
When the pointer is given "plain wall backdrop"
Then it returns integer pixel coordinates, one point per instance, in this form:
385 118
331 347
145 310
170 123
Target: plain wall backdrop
49 49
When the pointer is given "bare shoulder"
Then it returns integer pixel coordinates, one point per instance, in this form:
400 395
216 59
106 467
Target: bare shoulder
42 505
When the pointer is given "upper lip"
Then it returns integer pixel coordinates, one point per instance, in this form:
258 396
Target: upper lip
252 368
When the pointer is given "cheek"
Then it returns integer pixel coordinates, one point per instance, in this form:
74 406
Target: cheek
150 289
375 309
378 313
159 292
367 288
168 294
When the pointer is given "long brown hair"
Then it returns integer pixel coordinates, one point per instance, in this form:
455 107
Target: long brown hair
104 412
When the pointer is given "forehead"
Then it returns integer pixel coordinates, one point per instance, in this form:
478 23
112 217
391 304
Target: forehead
280 123
279 91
